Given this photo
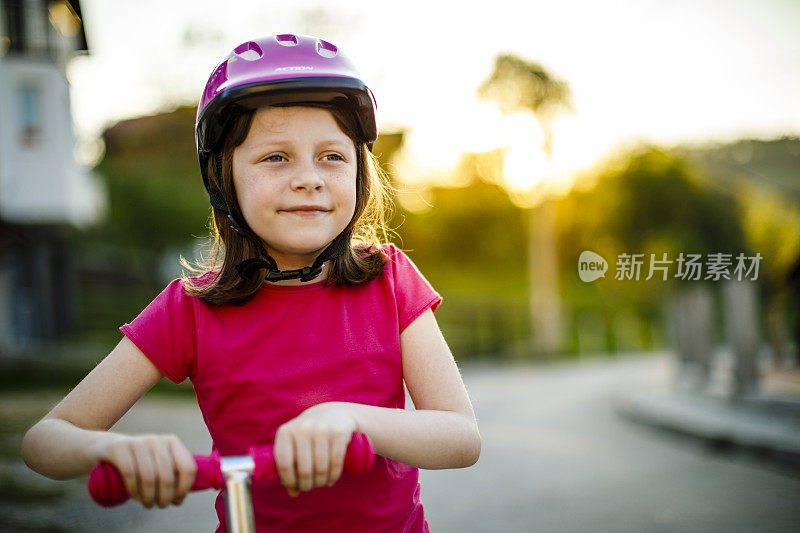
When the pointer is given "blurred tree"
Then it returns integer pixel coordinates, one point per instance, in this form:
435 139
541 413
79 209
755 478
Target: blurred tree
660 199
793 294
763 174
769 165
156 198
648 202
520 85
471 246
771 222
473 239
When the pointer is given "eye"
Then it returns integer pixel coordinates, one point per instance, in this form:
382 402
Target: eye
334 157
274 158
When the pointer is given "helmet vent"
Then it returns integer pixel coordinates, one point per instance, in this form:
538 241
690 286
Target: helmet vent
286 39
218 77
248 51
326 49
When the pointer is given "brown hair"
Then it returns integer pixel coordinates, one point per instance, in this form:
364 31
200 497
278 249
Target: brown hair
363 259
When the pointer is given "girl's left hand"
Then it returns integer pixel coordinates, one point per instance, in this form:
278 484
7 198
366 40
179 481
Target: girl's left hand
310 449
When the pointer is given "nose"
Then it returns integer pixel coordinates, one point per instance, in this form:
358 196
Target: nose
306 177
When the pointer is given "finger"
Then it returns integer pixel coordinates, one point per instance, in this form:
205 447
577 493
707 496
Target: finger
123 460
145 474
322 454
186 469
339 444
304 458
165 473
284 459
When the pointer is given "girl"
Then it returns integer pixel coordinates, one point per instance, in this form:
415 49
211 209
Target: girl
306 331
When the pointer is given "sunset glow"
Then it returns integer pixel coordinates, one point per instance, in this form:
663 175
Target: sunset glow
630 76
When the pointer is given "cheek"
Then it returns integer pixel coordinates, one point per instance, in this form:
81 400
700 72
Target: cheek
250 205
253 191
240 185
348 194
244 195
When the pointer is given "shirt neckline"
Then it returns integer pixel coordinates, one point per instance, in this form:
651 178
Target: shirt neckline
317 285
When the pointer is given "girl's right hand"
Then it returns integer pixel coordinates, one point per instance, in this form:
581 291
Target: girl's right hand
156 469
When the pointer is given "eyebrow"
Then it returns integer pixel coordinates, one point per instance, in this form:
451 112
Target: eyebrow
340 146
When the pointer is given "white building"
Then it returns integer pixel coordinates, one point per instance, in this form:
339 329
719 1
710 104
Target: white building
44 192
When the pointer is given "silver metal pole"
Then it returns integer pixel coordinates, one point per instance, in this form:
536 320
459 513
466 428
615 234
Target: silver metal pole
238 503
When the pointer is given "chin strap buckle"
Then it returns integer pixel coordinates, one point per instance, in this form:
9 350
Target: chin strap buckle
248 268
309 273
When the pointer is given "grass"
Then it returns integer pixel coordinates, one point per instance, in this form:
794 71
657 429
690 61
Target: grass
15 491
55 373
17 413
8 525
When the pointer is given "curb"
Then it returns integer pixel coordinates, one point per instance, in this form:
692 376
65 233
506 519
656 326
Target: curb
758 427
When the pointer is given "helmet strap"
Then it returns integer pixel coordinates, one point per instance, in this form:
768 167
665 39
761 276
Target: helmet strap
248 268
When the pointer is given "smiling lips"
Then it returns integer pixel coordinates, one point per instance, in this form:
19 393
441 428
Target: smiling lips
306 210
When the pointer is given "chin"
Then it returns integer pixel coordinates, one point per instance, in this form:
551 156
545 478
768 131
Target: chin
300 243
299 251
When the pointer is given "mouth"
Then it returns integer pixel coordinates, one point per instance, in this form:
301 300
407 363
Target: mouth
306 210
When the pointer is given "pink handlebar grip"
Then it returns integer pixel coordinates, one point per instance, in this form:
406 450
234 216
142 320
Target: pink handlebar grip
107 488
358 459
209 473
360 455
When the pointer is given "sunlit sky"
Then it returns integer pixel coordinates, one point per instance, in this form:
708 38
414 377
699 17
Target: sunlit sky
653 70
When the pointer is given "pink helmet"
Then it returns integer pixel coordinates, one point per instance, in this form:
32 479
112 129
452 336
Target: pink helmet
280 69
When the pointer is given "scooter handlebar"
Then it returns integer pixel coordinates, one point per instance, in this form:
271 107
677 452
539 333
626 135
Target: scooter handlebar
107 488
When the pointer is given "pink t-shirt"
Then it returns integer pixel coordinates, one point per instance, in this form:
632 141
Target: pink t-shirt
259 365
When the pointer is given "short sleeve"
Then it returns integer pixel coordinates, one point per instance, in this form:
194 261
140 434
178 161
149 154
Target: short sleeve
413 293
165 332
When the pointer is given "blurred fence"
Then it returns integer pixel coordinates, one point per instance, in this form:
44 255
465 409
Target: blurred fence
486 325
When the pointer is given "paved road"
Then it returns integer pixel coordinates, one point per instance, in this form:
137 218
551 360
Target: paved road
556 458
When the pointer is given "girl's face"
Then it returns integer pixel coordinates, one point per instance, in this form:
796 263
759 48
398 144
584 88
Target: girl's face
295 178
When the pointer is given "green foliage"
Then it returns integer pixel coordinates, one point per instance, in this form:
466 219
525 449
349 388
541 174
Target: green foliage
769 164
156 205
156 197
150 208
473 239
771 222
647 202
472 245
656 199
763 175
